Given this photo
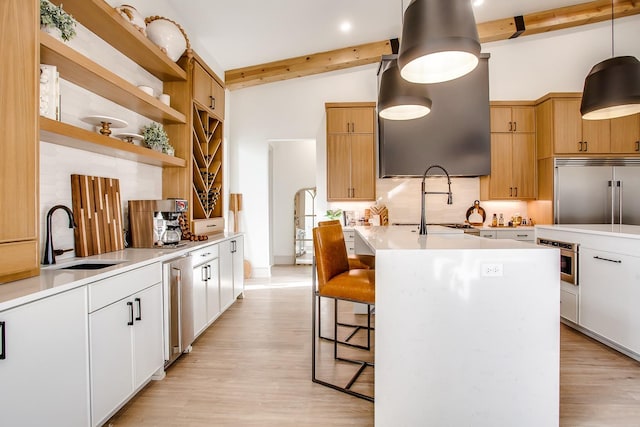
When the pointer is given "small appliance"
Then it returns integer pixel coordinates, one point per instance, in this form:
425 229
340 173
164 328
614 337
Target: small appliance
154 223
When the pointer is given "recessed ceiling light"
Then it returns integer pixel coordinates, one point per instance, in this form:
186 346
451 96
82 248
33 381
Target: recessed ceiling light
345 27
477 2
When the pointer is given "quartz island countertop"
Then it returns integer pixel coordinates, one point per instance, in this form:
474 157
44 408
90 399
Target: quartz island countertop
438 237
467 329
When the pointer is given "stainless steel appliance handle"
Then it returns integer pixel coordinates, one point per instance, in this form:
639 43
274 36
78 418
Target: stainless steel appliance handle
3 339
619 191
130 322
179 285
610 200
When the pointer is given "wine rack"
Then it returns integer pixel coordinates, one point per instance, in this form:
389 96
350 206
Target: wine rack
207 163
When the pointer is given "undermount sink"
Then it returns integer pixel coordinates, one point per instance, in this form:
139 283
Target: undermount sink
90 265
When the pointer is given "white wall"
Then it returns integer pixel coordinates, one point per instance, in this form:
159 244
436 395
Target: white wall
294 167
525 68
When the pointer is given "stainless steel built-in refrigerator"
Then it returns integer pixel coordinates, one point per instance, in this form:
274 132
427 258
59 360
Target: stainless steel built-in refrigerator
597 191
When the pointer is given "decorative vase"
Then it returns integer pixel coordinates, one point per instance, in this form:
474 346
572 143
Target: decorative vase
170 151
168 36
132 15
53 31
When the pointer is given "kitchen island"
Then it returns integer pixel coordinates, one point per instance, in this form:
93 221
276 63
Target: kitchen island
467 330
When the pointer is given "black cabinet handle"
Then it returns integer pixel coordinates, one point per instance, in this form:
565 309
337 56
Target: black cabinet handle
234 248
516 192
3 350
586 146
580 142
212 104
208 272
510 191
203 273
515 126
139 302
510 126
130 322
637 145
617 261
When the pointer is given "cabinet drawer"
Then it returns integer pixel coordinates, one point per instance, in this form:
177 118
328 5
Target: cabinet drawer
489 234
525 235
205 254
349 235
107 291
208 226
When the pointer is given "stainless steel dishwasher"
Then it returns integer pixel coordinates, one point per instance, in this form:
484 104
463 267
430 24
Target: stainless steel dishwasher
178 299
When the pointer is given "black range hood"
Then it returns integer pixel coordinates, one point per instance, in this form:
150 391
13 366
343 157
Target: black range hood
456 134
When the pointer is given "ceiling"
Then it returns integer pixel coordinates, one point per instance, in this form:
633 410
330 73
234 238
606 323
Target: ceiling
240 33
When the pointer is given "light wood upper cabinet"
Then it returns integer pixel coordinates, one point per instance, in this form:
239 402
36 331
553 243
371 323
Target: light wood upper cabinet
208 91
201 182
573 135
513 153
19 140
512 119
513 165
351 155
625 134
350 120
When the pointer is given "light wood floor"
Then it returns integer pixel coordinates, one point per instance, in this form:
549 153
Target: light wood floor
252 368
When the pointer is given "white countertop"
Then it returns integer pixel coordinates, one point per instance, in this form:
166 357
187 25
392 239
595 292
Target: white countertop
401 237
53 280
613 230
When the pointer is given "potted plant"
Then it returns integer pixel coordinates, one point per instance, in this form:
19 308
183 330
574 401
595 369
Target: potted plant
155 137
56 21
334 214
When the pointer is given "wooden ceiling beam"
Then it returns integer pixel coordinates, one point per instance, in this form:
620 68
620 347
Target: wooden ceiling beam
307 65
500 29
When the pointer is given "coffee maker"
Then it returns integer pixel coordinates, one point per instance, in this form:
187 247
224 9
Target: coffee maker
154 223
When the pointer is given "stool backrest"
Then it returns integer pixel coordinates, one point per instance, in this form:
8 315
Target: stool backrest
330 251
330 222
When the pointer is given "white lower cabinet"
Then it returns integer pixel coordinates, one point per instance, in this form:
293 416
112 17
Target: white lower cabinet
231 270
44 364
569 301
125 337
206 292
609 296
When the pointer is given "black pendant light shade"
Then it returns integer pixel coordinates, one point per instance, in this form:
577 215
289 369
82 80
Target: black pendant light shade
612 89
399 99
439 41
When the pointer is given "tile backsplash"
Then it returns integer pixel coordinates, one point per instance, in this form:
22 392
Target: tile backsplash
401 196
58 163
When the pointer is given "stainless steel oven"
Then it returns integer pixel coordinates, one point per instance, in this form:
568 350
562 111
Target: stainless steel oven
568 259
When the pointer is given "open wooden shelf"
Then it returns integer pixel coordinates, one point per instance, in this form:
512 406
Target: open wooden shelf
103 20
71 136
80 70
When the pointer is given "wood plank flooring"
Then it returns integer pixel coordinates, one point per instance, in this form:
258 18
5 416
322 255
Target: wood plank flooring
252 368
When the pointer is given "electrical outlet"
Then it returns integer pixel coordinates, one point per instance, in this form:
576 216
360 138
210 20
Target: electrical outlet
492 270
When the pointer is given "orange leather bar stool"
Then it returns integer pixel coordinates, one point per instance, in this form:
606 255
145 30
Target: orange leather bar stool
355 262
337 281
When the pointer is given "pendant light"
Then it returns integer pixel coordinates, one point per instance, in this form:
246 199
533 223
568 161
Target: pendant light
399 99
439 41
612 87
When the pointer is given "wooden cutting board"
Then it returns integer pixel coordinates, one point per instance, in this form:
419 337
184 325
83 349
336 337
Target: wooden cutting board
98 214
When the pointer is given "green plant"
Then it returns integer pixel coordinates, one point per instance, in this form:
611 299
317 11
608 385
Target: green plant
54 16
334 214
155 137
